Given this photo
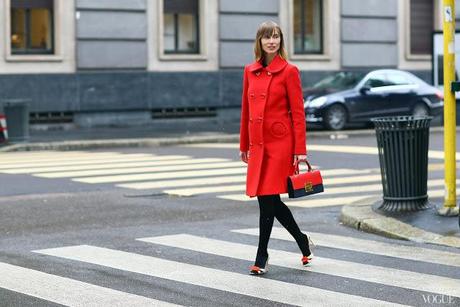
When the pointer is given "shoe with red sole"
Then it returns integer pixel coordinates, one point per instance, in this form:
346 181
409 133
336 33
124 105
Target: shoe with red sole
259 270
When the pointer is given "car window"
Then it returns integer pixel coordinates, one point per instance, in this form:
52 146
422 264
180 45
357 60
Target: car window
398 79
376 80
340 81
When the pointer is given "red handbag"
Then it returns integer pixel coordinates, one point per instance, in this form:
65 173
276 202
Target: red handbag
304 184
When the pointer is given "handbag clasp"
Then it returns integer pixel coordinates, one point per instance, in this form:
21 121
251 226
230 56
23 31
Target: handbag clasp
308 187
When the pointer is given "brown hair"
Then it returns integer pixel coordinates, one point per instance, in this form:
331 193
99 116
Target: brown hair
267 28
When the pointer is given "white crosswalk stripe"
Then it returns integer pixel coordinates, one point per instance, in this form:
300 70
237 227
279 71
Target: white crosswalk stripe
139 170
330 191
89 161
4 162
183 175
273 290
360 150
70 292
366 272
367 246
67 291
115 163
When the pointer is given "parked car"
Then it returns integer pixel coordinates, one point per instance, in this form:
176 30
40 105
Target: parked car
350 96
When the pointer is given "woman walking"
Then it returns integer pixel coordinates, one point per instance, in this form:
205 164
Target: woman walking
272 136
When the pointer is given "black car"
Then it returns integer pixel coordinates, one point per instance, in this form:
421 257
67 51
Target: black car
347 97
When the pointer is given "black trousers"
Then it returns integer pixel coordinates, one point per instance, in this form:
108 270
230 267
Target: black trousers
271 206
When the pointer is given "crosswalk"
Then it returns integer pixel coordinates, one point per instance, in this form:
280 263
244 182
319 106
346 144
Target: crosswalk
380 280
188 176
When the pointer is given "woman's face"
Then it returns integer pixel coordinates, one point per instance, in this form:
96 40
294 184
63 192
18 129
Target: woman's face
271 44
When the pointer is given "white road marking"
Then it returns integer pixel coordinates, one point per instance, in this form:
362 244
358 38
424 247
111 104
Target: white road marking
92 160
115 163
360 271
264 288
67 291
368 246
224 166
165 175
363 150
163 184
311 202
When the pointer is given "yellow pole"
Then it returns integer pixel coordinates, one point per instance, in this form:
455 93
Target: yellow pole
449 107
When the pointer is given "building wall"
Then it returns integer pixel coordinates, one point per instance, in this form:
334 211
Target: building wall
238 22
369 33
111 34
109 53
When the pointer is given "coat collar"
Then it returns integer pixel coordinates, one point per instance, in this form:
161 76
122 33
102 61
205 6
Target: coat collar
275 66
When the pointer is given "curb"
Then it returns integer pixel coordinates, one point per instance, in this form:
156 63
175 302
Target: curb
165 141
360 215
119 143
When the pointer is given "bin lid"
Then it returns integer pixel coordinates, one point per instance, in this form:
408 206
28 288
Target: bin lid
401 122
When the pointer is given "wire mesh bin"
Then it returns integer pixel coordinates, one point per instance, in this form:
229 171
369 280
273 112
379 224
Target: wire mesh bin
403 143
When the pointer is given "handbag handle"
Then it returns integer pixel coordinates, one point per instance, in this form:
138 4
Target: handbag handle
297 166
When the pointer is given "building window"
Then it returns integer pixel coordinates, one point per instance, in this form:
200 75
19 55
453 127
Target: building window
308 26
181 27
32 27
421 26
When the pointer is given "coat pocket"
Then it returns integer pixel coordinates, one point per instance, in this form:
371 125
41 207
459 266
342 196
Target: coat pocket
278 129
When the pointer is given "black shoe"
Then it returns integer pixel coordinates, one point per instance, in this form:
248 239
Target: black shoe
259 270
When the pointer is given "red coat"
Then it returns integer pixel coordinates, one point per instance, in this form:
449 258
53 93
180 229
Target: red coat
272 125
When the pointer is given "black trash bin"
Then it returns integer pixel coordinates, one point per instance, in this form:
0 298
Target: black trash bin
17 119
402 143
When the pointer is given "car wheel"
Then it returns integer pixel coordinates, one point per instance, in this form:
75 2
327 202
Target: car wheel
420 110
335 117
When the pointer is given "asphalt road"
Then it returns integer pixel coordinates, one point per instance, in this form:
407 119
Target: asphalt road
134 227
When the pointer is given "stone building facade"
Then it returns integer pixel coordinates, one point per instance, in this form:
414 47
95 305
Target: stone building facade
87 61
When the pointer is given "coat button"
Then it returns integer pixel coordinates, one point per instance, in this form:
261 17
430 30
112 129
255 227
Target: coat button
250 119
262 95
269 73
261 143
257 73
250 144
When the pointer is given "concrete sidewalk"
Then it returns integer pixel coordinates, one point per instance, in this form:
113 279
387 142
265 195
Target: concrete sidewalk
421 226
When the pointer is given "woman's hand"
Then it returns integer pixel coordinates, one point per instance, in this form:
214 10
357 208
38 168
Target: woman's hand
244 156
299 158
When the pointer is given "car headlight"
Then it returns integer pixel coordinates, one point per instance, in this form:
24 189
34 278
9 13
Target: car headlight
317 102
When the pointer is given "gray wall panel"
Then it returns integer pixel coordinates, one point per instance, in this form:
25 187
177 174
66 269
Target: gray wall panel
111 4
231 81
113 91
236 54
183 89
141 91
45 92
369 55
111 24
367 29
112 54
253 6
382 8
241 26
